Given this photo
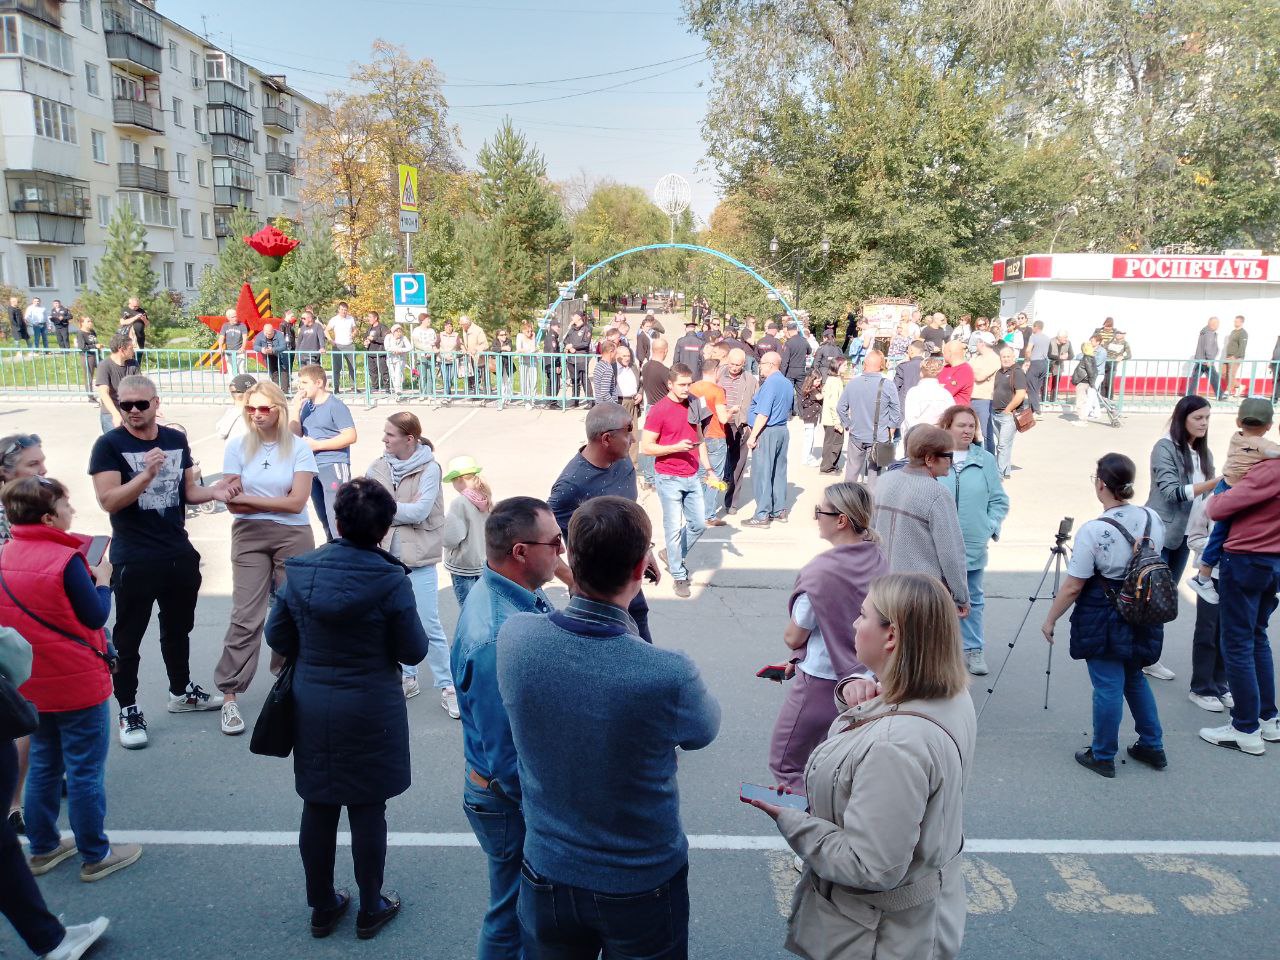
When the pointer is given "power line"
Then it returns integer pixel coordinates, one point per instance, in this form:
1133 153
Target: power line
570 96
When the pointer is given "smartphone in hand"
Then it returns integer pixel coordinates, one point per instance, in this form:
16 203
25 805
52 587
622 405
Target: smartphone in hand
97 550
774 671
754 791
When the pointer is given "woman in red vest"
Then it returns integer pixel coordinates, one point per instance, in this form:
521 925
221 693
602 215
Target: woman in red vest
49 595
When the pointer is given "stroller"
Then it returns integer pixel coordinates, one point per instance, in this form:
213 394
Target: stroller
1101 406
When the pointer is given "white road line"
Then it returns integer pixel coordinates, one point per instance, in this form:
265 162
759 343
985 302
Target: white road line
457 426
289 838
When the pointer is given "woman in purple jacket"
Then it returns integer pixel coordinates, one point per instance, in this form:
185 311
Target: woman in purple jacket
828 595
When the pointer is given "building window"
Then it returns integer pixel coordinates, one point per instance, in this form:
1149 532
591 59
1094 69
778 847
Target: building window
86 14
80 272
104 210
91 80
195 64
197 119
157 155
215 65
54 120
184 174
253 96
278 185
41 43
184 218
173 54
151 209
190 270
202 173
256 147
40 273
206 226
99 141
177 113
166 271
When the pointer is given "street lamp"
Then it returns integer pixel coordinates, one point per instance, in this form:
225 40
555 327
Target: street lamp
801 262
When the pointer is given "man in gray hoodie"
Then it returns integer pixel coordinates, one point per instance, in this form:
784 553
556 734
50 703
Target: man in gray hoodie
1203 360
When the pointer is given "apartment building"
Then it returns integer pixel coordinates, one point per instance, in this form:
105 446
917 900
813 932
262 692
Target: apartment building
107 102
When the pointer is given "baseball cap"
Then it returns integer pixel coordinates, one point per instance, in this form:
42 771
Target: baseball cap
461 467
243 383
1257 411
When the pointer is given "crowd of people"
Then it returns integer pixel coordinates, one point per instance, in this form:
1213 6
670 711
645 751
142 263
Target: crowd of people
585 849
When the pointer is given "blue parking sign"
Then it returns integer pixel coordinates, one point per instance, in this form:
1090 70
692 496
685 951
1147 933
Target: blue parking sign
409 289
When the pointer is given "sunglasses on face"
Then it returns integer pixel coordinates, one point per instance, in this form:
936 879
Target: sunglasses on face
819 512
130 405
557 543
262 410
21 443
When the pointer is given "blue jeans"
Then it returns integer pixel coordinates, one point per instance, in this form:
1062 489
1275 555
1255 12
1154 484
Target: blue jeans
1247 583
1176 558
40 336
499 826
563 922
1193 378
1006 430
1114 683
682 500
425 582
971 626
983 409
769 471
718 454
1212 552
74 743
648 469
462 585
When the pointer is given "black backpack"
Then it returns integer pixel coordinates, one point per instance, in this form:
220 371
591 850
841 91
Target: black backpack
1147 594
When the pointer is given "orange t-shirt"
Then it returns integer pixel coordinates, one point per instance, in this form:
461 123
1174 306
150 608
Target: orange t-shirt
712 396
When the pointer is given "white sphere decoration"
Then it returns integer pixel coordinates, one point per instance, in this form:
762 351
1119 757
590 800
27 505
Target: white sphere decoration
672 195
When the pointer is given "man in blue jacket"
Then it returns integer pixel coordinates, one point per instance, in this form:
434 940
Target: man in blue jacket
522 546
596 717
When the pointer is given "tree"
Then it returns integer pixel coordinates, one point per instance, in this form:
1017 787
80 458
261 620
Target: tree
615 218
451 231
125 271
237 265
311 274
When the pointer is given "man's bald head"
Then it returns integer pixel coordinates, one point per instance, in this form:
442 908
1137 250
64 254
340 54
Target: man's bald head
770 363
873 362
658 348
737 357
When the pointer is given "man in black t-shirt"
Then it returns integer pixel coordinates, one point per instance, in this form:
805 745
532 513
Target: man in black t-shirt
134 318
60 320
602 468
88 343
144 477
108 375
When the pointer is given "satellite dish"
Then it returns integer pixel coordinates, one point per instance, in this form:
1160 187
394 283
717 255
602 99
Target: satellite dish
672 194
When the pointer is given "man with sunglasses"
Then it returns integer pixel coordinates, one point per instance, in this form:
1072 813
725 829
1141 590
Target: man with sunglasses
144 478
523 545
601 468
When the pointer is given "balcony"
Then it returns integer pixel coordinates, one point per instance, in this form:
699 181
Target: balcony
138 176
133 36
280 163
223 93
137 113
232 197
277 117
44 228
50 11
47 208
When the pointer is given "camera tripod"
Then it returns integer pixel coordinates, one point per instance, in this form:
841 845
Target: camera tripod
1057 556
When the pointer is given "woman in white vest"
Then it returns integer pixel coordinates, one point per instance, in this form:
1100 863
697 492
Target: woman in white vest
410 471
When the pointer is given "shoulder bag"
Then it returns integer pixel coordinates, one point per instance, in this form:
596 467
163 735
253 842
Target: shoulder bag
882 453
273 732
18 715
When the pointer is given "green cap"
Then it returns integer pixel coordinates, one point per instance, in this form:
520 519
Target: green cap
1256 410
461 467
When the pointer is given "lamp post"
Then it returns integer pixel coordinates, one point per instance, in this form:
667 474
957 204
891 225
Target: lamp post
802 263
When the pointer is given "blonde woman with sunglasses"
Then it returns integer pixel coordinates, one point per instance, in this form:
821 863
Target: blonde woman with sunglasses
273 470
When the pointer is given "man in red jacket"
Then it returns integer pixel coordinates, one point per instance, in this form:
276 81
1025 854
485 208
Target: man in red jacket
957 375
1249 577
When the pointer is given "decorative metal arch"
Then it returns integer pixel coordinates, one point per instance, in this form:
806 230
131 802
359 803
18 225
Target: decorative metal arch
572 286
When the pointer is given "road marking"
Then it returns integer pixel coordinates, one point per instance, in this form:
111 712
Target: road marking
990 891
1088 894
715 841
1227 895
457 426
783 876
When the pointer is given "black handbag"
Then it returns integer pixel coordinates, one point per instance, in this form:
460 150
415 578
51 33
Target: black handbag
18 715
882 451
273 733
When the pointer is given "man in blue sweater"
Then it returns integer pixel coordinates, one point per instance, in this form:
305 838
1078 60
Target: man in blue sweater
596 716
522 546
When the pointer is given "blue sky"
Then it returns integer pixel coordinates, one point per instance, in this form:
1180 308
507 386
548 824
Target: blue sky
649 125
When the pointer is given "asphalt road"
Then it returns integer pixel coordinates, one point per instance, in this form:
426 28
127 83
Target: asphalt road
1062 863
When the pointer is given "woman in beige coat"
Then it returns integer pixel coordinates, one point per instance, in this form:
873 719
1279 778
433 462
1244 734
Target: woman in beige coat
882 839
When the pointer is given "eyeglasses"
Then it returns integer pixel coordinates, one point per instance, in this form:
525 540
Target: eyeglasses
262 410
819 512
130 405
21 443
946 456
558 543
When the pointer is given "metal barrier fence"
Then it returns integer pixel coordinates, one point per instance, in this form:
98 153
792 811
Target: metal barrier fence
546 378
542 378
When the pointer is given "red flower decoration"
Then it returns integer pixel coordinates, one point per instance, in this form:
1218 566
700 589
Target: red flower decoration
270 242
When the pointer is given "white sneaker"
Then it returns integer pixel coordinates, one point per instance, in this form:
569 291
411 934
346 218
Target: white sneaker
797 864
1204 589
194 699
1158 671
232 722
1229 736
1228 700
410 687
133 729
1270 729
77 940
449 701
1212 704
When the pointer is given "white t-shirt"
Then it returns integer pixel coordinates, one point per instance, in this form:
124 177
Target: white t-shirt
343 329
959 456
231 425
628 384
1101 548
816 662
270 474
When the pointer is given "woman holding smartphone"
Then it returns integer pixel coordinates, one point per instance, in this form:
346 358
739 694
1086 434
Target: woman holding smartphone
274 470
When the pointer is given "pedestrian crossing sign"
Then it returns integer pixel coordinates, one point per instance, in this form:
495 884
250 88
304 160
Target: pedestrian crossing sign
408 188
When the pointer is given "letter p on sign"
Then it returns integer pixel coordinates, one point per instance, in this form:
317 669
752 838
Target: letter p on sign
409 289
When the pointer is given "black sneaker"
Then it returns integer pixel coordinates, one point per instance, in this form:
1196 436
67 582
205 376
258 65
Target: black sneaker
368 924
16 823
1153 758
323 921
1103 768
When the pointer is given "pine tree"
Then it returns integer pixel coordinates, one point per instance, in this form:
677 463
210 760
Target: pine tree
123 272
310 275
237 265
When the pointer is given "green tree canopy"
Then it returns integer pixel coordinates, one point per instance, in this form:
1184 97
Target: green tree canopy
125 271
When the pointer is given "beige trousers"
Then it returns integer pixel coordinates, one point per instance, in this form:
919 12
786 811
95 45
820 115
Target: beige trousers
259 549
